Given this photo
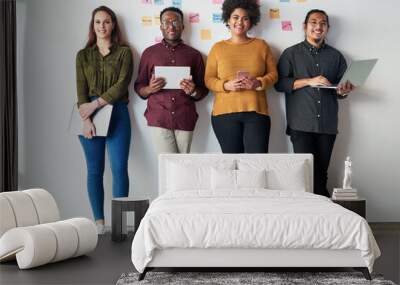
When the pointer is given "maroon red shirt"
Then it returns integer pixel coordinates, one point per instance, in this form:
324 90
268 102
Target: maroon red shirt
171 108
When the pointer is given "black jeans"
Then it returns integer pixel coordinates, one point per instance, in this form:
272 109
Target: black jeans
320 146
243 132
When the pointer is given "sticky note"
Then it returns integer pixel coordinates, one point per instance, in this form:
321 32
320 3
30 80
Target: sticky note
205 34
194 17
287 26
147 21
217 18
217 1
284 0
146 1
177 3
157 20
300 1
158 2
158 39
274 13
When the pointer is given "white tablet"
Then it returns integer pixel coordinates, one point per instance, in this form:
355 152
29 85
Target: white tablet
173 75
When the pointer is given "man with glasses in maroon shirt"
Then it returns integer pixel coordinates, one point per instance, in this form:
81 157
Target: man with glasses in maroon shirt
171 113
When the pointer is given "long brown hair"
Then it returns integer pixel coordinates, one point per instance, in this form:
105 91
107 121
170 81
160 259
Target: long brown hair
116 35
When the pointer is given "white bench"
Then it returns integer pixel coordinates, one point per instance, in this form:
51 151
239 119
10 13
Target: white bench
31 231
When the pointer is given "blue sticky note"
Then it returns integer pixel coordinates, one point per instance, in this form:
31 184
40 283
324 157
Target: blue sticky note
217 18
158 2
284 0
177 3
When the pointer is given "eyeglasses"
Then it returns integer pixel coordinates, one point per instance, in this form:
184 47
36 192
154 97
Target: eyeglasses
314 24
166 24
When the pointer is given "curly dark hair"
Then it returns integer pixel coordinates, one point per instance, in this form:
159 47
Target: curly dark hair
172 9
251 6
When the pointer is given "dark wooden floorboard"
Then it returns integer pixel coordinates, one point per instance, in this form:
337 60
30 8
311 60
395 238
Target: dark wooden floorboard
111 259
103 266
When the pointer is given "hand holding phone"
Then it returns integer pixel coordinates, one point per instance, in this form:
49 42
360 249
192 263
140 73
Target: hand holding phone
241 74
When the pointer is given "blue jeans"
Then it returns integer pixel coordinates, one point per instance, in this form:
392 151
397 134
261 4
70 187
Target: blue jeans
118 142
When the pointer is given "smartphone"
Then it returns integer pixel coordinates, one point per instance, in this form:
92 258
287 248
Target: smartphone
242 74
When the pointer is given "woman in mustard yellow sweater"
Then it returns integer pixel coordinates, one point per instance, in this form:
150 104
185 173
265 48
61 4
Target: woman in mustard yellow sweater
238 72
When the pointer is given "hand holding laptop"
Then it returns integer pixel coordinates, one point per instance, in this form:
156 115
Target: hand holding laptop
87 109
318 81
96 125
344 89
89 129
356 74
322 82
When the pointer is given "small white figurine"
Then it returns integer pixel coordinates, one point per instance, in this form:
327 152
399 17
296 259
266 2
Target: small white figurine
347 174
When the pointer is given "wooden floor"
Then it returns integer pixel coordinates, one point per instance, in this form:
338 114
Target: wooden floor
387 236
103 266
110 260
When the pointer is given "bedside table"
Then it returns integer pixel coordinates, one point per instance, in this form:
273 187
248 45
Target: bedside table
118 216
358 206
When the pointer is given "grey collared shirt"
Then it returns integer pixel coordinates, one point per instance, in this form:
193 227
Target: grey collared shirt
310 109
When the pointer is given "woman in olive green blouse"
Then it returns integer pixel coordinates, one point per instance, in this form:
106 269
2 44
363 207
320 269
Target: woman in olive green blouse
103 72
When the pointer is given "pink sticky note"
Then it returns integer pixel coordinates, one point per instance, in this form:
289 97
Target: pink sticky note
146 1
217 1
287 26
194 17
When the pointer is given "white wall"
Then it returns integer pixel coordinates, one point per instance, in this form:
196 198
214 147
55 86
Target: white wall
50 32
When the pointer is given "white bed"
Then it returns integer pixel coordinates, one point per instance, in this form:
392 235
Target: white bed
224 216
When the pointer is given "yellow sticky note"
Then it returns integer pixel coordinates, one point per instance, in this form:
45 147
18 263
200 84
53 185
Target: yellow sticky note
147 21
301 1
274 13
157 20
205 34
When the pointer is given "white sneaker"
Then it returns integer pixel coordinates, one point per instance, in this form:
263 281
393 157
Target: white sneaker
100 229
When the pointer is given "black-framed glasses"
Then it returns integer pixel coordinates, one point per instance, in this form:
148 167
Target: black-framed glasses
175 24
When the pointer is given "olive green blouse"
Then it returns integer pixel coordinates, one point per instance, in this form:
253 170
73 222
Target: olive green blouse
105 76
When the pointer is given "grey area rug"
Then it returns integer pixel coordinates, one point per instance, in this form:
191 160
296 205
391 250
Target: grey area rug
244 278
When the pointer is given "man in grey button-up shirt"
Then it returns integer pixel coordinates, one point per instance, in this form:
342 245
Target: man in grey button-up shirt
312 113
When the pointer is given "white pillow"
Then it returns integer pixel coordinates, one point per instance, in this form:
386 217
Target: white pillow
226 179
251 178
281 174
187 174
292 178
223 179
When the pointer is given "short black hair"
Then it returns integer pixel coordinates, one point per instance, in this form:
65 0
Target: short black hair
172 9
314 11
251 6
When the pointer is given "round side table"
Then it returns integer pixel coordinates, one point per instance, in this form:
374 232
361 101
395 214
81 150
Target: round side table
119 207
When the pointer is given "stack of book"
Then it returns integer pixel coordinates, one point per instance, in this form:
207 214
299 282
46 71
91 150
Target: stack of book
344 194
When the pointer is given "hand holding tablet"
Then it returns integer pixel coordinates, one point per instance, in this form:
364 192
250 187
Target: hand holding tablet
172 75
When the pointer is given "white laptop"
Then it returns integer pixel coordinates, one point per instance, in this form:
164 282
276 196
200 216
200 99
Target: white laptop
173 75
357 73
101 120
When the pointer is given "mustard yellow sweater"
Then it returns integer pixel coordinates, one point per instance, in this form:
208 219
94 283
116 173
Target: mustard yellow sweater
225 60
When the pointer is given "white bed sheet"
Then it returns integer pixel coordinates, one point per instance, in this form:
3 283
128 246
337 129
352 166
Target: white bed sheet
251 218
